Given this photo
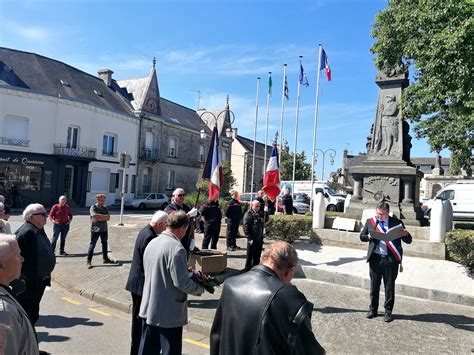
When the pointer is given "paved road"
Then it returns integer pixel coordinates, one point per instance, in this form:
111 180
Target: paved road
70 324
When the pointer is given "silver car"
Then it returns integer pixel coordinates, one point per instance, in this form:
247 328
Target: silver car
148 200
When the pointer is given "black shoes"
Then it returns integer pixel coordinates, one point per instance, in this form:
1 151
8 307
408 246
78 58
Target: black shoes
63 253
89 264
231 248
108 261
372 313
387 318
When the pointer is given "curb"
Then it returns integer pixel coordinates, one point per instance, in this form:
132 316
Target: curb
96 297
400 289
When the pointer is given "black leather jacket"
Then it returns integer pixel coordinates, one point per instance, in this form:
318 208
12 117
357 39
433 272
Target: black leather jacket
247 323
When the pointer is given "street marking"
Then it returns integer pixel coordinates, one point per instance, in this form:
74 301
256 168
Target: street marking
198 343
70 300
100 312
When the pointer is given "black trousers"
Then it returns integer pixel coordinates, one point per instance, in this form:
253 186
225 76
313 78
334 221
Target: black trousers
232 230
30 301
211 235
136 324
254 252
382 267
154 339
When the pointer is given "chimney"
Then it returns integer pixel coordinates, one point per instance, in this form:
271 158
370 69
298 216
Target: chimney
234 133
106 76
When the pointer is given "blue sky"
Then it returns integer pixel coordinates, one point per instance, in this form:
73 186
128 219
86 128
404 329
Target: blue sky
219 48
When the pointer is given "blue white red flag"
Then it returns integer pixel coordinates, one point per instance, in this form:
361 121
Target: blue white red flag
271 180
303 77
213 168
325 64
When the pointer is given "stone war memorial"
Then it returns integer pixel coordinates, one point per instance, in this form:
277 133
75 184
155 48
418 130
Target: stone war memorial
387 173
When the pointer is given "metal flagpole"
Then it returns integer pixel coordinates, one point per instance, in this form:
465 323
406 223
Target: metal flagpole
268 114
313 162
254 140
296 137
282 111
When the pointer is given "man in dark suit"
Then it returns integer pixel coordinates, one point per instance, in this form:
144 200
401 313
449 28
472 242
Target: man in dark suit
39 260
383 258
136 278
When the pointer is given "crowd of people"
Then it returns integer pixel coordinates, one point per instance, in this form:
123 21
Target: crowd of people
275 320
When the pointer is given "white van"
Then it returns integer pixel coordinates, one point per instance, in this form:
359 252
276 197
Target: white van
461 196
334 202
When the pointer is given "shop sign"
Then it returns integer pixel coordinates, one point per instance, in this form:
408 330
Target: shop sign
20 160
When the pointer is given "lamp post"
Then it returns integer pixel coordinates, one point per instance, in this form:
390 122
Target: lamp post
332 154
228 131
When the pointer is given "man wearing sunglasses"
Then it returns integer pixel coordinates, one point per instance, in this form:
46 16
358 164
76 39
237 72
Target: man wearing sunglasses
39 260
177 204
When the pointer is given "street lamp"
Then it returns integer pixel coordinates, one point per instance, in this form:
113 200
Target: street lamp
332 154
228 131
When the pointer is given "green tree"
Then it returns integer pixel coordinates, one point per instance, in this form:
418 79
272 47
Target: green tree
228 183
435 39
302 169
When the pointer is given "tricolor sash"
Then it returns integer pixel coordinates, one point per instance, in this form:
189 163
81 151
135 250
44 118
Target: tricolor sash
393 247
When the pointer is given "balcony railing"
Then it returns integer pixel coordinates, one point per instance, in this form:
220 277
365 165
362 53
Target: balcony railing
15 142
151 154
107 153
79 152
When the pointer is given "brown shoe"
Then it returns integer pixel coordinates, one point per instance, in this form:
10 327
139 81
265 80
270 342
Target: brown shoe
89 264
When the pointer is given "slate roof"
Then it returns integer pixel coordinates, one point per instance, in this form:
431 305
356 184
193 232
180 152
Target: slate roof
429 161
259 147
181 115
41 74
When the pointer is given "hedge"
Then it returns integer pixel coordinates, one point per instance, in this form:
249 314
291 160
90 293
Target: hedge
288 227
460 248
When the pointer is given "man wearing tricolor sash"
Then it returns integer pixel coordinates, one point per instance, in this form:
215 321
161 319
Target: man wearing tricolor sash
383 258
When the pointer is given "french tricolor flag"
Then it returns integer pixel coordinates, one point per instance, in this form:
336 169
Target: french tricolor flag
325 64
271 180
213 168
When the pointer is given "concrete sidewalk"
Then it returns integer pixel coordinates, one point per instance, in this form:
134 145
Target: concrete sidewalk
428 279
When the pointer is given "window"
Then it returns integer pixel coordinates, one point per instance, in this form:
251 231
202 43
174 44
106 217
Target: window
225 154
172 147
170 182
89 179
201 153
73 137
15 131
146 180
113 182
108 145
134 182
447 195
21 176
149 140
100 180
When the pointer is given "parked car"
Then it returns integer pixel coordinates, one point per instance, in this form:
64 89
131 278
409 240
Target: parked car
245 197
301 197
298 207
461 196
148 200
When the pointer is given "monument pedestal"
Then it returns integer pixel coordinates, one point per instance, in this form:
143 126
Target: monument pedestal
387 174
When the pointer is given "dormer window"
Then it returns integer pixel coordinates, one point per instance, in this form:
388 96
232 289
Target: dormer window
97 92
65 83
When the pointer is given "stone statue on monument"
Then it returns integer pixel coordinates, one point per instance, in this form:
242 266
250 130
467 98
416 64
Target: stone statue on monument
387 134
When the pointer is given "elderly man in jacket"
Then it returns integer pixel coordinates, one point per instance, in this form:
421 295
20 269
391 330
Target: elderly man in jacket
39 260
164 305
17 335
275 320
136 278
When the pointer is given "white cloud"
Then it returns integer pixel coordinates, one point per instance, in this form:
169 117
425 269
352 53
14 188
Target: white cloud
30 33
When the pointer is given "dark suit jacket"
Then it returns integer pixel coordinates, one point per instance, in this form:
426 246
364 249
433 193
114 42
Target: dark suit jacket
373 243
136 278
27 237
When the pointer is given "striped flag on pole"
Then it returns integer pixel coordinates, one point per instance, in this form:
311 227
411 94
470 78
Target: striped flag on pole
271 180
325 64
213 168
286 91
